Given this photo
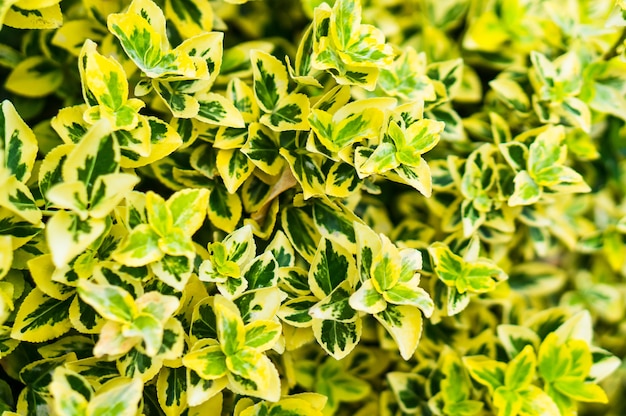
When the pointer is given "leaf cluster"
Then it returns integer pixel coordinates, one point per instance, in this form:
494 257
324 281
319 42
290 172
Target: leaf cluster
280 207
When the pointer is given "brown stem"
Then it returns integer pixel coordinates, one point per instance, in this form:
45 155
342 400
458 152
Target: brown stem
611 53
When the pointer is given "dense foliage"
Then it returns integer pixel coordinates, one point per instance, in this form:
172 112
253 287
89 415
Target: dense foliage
281 207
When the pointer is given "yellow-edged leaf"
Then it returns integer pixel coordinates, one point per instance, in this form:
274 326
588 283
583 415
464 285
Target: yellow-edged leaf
40 18
19 143
41 318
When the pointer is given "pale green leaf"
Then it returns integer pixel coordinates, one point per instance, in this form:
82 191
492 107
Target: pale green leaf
139 248
120 397
262 335
521 369
368 299
486 371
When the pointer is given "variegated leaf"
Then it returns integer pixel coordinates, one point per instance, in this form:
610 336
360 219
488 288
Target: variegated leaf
69 123
41 318
48 16
203 323
181 104
330 267
338 339
406 77
417 176
259 304
284 111
159 217
420 137
97 371
230 328
336 306
301 231
104 79
84 317
41 269
281 248
160 141
386 266
290 113
97 154
37 376
295 312
201 392
336 98
72 35
243 98
174 270
342 180
270 80
406 294
144 40
234 168
353 50
526 191
188 208
353 123
406 388
139 248
68 236
302 70
487 372
261 272
71 392
120 396
253 374
71 196
369 245
511 93
135 363
367 299
240 245
230 138
207 361
479 276
218 110
306 169
35 76
263 149
108 192
381 159
111 302
50 170
17 198
191 17
19 144
262 335
404 324
172 390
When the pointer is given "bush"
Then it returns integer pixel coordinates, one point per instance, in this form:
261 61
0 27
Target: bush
282 207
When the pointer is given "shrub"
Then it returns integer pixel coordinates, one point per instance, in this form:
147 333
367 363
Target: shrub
294 207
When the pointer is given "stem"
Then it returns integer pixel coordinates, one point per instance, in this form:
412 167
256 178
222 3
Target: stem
612 52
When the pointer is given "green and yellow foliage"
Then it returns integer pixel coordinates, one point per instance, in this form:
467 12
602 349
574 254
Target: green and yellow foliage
306 207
